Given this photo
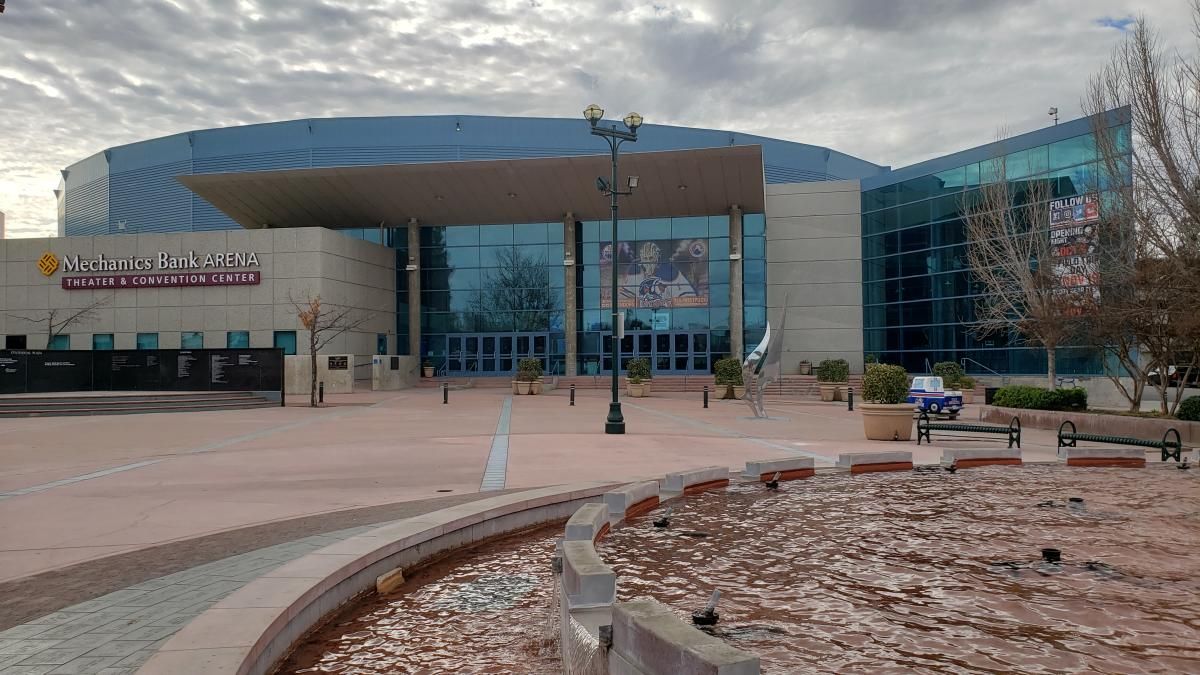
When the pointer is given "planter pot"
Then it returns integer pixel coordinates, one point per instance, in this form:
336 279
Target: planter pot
805 368
968 396
516 387
829 392
524 387
427 371
535 387
887 421
639 390
739 391
841 392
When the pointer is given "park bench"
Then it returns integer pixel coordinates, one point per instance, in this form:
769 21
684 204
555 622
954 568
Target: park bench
1013 430
1171 445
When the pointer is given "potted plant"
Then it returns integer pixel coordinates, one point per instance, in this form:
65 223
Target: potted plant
427 368
886 415
833 376
966 384
528 372
806 367
729 375
637 374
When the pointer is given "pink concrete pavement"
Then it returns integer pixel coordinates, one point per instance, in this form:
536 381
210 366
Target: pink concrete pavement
216 471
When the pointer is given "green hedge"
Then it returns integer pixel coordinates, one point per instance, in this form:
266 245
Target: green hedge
950 372
1190 409
638 370
1036 398
833 370
529 369
728 371
883 383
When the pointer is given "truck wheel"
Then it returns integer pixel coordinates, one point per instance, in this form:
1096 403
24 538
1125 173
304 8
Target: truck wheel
935 408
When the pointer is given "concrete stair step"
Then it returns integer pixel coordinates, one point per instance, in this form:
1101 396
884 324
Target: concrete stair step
66 411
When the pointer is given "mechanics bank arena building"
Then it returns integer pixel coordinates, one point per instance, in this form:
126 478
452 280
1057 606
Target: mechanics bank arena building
473 242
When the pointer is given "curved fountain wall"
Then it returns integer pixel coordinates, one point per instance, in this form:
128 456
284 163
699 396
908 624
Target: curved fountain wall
248 632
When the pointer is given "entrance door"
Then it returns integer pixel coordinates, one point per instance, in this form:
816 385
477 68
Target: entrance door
668 353
494 354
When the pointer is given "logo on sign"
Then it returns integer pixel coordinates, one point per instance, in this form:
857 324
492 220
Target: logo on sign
47 264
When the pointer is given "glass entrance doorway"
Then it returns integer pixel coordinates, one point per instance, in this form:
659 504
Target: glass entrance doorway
669 353
485 354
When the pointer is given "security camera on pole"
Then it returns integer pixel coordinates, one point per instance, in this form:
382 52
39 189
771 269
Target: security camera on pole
615 424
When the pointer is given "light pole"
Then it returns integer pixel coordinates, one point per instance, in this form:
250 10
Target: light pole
615 423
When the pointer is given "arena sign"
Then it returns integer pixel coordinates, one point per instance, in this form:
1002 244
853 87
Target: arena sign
156 271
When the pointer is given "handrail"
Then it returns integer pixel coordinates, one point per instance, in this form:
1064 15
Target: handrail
963 361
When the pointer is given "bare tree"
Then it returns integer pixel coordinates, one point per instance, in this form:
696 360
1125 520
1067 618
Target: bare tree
1027 294
324 322
58 320
1150 176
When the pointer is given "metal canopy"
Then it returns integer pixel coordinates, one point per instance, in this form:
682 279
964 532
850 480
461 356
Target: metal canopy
675 183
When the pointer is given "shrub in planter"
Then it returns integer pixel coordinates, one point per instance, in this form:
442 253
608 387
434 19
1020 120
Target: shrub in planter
830 374
529 370
1189 409
966 384
886 414
729 375
833 370
883 383
638 374
950 372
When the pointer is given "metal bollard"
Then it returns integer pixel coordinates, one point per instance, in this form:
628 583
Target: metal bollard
849 398
321 392
445 393
572 393
706 396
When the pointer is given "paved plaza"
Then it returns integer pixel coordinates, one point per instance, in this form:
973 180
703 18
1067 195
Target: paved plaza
116 530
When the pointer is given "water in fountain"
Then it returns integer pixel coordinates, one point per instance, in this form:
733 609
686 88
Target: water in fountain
583 655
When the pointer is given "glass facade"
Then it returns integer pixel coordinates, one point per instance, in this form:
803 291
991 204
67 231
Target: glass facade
191 340
754 280
493 294
918 294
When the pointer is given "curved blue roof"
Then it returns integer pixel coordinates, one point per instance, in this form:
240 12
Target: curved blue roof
132 188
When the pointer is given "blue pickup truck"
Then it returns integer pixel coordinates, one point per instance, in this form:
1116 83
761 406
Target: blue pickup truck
928 395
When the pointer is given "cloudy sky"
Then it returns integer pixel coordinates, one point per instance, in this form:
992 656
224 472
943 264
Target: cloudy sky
891 81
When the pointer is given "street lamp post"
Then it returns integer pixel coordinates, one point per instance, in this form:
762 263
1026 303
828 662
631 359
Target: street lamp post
615 423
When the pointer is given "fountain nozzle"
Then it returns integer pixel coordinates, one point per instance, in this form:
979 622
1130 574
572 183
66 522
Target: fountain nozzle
708 616
665 521
1052 555
1184 466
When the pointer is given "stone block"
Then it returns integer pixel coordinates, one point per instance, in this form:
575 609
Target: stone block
966 459
588 523
788 469
632 500
696 480
649 637
870 462
1110 456
587 580
387 583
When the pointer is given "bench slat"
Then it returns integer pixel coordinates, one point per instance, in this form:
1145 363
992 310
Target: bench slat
1115 440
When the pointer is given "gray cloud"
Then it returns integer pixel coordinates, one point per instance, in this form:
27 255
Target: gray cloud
893 82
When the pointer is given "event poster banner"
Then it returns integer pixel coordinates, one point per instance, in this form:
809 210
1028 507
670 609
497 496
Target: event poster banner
1074 240
656 273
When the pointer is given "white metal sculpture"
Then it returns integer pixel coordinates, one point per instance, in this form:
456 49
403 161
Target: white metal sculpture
763 366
